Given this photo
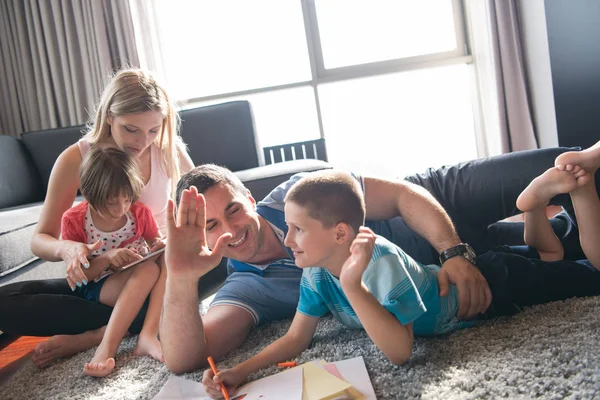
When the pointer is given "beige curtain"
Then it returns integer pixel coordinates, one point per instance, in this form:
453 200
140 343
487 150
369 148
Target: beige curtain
55 58
505 115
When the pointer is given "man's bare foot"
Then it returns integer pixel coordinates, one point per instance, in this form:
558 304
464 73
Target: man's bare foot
546 186
149 345
64 346
588 159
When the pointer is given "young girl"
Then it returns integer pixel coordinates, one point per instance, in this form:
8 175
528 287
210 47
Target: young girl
136 115
118 226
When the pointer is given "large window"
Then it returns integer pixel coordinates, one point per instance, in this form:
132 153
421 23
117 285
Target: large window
387 83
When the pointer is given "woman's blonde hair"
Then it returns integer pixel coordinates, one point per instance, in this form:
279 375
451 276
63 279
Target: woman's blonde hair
132 91
107 173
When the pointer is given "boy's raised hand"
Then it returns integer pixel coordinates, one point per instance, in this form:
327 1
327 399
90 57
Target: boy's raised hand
361 252
187 254
212 383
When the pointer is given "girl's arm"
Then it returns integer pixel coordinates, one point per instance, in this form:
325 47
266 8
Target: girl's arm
296 340
389 335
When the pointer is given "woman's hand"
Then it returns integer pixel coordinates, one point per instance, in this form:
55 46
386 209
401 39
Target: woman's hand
74 257
212 383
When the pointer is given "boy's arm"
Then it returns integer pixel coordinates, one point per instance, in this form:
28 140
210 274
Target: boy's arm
389 335
424 214
297 339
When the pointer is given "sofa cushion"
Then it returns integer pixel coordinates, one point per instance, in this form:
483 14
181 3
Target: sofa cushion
45 147
16 229
19 180
222 134
260 181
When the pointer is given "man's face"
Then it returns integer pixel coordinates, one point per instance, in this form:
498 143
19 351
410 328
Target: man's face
311 242
228 210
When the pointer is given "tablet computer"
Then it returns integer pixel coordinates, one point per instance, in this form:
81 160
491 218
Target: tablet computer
136 262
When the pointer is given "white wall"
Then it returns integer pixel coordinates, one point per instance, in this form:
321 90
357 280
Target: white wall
537 59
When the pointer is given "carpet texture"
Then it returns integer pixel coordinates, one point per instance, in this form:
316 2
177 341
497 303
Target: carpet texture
549 352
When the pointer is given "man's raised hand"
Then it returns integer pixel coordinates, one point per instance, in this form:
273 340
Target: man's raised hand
187 254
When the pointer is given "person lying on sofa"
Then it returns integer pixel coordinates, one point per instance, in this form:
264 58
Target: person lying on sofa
136 115
263 284
367 282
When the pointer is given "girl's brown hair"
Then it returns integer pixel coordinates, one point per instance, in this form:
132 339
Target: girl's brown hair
107 173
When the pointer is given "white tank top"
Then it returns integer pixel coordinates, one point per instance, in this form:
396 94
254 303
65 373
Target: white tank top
158 189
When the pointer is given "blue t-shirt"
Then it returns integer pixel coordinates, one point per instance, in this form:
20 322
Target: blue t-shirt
404 287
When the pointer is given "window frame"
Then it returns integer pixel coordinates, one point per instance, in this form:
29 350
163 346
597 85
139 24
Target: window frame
320 74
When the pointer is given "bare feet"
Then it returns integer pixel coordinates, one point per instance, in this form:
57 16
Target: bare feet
588 159
546 186
64 346
149 345
99 369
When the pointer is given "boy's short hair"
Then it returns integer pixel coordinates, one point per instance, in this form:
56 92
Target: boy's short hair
330 197
107 173
205 176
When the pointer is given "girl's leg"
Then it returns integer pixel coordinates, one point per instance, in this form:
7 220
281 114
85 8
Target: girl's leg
127 291
533 201
148 343
585 199
538 234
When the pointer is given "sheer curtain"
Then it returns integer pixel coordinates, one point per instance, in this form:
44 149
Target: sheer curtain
505 115
55 57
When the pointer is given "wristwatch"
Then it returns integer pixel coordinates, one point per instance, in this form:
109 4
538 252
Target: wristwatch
461 249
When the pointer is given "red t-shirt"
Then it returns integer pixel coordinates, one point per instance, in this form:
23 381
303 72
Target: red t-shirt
73 223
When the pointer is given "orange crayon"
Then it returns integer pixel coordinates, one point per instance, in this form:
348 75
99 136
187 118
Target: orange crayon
214 370
287 364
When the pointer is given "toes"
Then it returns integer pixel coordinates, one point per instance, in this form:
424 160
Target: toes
98 368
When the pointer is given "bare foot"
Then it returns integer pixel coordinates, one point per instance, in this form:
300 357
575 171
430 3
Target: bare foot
64 346
588 159
149 345
546 186
99 369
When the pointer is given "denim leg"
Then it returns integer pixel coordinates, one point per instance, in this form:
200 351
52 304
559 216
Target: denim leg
479 193
517 281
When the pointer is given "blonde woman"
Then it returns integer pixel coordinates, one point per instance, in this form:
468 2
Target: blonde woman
136 115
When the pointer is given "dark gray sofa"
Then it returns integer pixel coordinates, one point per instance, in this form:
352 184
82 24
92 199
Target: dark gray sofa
222 134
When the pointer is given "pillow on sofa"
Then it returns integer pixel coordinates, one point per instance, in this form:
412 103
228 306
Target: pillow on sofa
45 147
19 180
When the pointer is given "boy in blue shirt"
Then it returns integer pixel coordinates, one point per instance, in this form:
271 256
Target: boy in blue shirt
368 282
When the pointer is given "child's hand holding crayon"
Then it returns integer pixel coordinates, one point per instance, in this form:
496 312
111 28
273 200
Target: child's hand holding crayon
231 378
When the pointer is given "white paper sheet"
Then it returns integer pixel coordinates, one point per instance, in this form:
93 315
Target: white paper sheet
285 385
354 371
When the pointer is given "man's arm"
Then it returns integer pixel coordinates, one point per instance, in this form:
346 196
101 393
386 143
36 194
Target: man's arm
187 259
424 214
